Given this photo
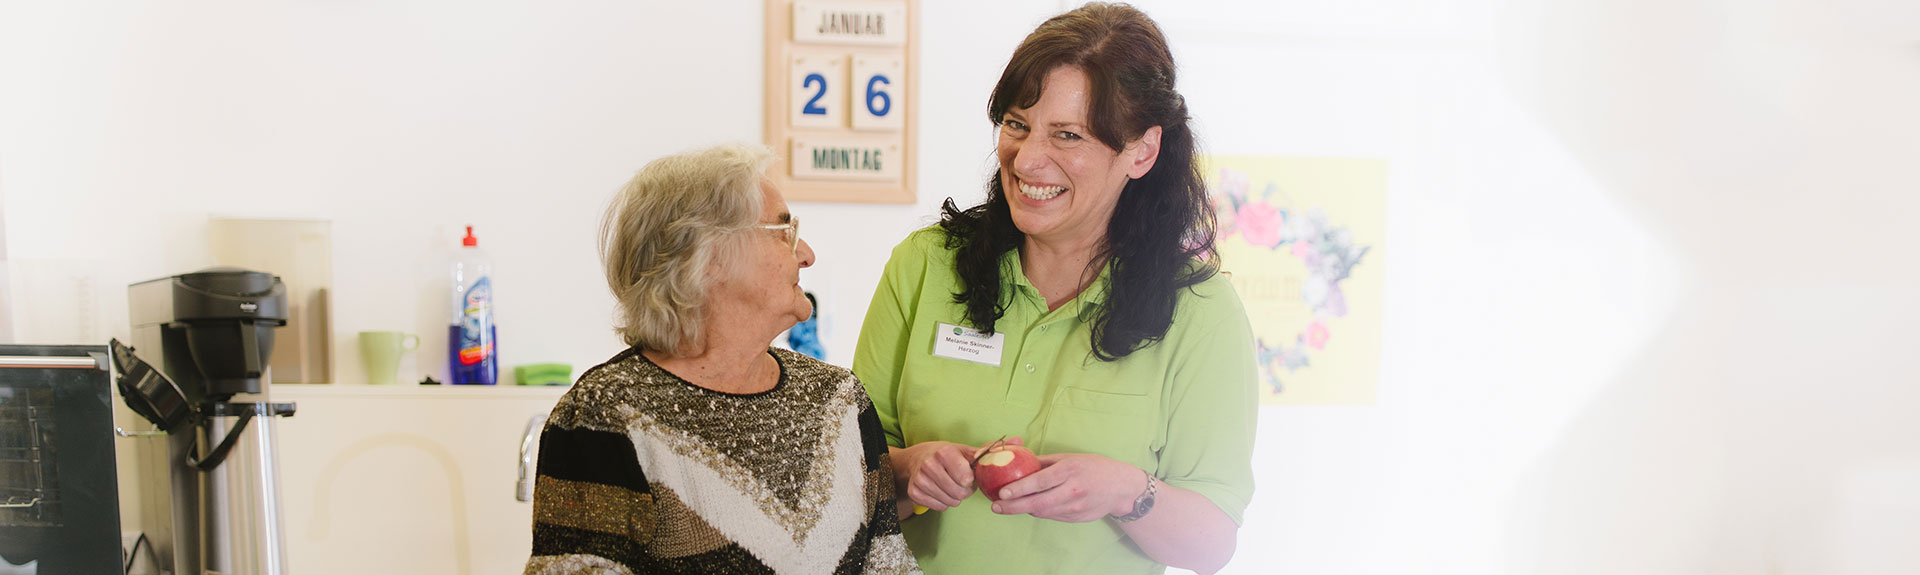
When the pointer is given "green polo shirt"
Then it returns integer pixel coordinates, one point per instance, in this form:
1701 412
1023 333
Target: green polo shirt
1182 408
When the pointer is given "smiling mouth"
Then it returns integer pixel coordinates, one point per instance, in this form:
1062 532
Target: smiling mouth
1040 193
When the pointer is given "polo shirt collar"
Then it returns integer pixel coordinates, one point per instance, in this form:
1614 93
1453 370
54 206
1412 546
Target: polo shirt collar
1089 300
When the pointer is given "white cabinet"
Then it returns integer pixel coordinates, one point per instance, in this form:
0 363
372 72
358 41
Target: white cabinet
406 480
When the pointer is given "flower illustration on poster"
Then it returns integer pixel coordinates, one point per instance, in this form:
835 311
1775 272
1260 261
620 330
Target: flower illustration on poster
1301 240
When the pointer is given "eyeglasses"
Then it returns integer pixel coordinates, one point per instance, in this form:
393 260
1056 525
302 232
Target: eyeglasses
789 231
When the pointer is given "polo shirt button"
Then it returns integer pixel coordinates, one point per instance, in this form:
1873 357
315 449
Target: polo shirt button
1043 328
1029 368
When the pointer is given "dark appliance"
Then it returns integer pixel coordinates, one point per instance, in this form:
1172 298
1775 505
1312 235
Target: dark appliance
59 506
210 492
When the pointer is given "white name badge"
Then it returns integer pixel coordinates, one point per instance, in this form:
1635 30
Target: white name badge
967 344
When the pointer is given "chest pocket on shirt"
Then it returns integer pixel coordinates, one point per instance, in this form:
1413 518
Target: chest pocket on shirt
1105 401
1117 425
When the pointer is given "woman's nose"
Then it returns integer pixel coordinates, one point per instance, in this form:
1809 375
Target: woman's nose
1031 156
805 253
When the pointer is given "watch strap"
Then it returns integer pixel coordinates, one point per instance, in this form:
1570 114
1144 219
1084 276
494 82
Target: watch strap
1141 505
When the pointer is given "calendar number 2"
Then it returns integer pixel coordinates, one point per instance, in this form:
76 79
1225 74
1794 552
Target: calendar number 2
818 93
813 104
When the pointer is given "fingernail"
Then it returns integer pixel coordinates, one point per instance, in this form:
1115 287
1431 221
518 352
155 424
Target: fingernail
996 509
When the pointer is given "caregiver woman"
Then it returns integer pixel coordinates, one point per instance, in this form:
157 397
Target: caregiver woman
1077 308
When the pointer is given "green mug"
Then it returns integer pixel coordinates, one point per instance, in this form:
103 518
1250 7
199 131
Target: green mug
381 351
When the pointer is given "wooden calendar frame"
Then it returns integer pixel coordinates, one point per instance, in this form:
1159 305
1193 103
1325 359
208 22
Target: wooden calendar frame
781 134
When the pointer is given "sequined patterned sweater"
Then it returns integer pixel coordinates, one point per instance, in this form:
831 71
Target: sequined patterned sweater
643 472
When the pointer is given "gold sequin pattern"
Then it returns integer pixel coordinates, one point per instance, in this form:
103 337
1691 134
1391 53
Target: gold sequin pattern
593 507
574 565
679 532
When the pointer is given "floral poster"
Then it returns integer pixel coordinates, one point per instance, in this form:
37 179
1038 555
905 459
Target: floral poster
1302 241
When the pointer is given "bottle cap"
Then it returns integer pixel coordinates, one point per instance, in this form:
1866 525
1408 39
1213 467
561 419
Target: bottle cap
469 241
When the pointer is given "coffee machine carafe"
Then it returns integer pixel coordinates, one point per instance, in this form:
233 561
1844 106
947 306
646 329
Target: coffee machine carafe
210 491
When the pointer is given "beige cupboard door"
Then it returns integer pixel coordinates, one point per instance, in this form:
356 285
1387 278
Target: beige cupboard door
415 482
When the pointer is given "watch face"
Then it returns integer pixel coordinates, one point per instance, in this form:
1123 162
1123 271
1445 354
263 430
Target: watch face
1141 505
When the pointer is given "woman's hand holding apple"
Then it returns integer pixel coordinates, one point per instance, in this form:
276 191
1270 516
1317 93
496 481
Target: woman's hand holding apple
1075 488
937 474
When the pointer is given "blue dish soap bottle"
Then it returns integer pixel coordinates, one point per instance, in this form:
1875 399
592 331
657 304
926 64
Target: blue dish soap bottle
472 351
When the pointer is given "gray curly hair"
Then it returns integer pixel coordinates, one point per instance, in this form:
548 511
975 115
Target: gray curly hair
663 232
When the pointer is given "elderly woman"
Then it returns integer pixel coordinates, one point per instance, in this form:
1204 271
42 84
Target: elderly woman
1077 308
700 449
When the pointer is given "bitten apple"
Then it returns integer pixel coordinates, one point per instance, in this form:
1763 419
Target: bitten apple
1000 465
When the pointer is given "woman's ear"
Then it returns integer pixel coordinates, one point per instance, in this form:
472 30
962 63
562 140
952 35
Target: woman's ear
1142 153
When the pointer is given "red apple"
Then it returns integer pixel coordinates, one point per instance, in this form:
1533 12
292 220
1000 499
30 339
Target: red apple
1000 465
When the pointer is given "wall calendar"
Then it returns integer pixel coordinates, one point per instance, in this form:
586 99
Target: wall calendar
840 88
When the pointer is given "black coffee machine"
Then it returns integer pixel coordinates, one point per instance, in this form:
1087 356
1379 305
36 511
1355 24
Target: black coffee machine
210 493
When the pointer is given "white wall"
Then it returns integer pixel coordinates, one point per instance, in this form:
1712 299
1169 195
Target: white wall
1648 292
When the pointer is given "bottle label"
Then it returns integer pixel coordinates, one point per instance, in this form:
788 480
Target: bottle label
476 320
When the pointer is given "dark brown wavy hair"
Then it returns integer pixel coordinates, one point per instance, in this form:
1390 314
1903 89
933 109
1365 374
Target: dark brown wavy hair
1160 239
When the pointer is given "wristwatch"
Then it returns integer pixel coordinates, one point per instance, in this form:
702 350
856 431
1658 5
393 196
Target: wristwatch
1141 504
